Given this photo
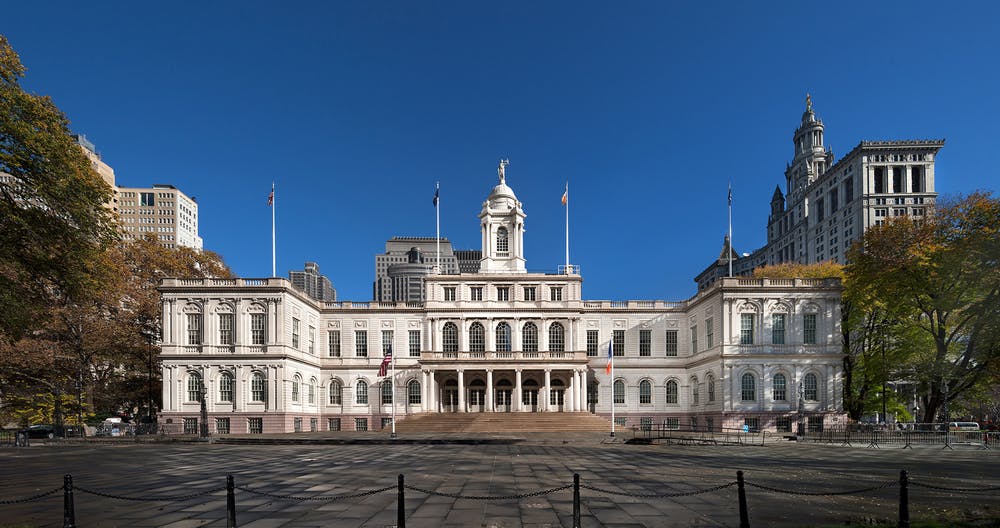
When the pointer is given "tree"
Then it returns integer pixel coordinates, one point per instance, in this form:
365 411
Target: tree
938 280
53 222
793 270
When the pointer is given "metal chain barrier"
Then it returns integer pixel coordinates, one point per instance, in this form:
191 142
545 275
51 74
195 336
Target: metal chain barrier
488 497
658 495
964 490
321 498
150 499
887 484
32 498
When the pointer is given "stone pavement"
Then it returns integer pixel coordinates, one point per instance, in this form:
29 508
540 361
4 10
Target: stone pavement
513 465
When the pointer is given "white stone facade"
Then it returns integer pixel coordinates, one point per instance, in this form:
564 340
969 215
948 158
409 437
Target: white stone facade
744 351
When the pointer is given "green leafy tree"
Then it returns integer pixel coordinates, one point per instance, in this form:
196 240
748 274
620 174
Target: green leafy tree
937 281
53 222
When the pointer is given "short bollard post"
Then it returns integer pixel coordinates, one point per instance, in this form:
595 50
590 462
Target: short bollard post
69 516
230 502
401 505
744 516
576 500
904 500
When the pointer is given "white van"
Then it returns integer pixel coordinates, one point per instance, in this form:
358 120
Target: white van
963 426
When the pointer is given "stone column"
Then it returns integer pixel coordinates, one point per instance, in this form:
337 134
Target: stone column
571 393
517 390
434 392
489 390
425 385
461 390
583 390
547 389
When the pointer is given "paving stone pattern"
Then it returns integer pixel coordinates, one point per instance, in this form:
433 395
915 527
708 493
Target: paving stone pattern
161 470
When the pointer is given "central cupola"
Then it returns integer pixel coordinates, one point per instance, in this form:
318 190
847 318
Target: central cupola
502 224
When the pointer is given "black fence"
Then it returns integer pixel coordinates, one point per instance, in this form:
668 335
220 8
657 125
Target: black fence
905 438
11 438
904 483
696 435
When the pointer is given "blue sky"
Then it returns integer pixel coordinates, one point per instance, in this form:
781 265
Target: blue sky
649 109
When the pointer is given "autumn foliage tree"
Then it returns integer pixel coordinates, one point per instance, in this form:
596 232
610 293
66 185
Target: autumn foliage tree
937 283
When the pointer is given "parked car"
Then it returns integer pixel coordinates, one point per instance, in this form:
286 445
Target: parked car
49 431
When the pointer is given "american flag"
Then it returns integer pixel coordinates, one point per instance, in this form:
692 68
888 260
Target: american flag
384 367
270 197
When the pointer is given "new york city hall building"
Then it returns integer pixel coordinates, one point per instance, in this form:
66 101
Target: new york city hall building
759 352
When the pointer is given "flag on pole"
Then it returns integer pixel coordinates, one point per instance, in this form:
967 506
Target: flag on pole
565 196
270 197
730 194
437 192
384 367
611 356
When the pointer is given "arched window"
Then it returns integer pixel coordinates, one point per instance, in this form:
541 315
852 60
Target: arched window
336 392
672 392
619 391
779 388
529 338
449 337
413 392
295 388
386 393
477 337
258 387
748 386
503 337
502 244
194 386
810 390
694 391
645 392
557 338
710 381
361 393
226 387
312 390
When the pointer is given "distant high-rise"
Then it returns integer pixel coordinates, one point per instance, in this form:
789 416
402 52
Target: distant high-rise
827 205
163 210
314 284
400 271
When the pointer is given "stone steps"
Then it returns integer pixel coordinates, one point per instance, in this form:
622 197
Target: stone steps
502 422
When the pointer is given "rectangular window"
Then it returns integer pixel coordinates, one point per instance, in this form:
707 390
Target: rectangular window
476 293
746 328
314 424
258 329
190 426
645 423
917 179
312 339
848 189
619 346
672 424
361 424
593 340
809 329
751 425
414 343
709 334
671 342
694 423
897 179
295 333
503 293
449 295
222 425
333 343
645 343
879 180
815 424
386 342
226 328
819 210
297 425
386 422
694 339
833 200
529 293
361 343
556 293
255 425
710 424
784 425
147 199
194 329
777 329
333 424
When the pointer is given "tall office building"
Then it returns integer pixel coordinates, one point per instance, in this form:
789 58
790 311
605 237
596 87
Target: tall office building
315 285
161 209
828 204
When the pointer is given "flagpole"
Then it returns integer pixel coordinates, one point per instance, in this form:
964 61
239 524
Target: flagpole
274 272
611 350
566 203
730 229
437 213
393 382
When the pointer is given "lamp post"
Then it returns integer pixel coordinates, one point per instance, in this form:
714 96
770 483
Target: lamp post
148 334
204 408
801 408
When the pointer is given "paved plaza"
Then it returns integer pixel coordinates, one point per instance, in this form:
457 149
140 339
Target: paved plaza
622 472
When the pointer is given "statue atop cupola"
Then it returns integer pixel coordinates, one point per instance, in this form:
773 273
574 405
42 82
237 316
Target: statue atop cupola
502 224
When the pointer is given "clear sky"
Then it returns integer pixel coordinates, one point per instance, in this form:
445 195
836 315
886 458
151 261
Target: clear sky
649 109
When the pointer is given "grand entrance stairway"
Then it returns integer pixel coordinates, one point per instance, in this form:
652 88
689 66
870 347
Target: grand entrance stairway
512 422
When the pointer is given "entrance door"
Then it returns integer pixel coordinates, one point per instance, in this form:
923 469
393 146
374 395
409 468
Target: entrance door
477 400
503 400
450 401
530 399
556 399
